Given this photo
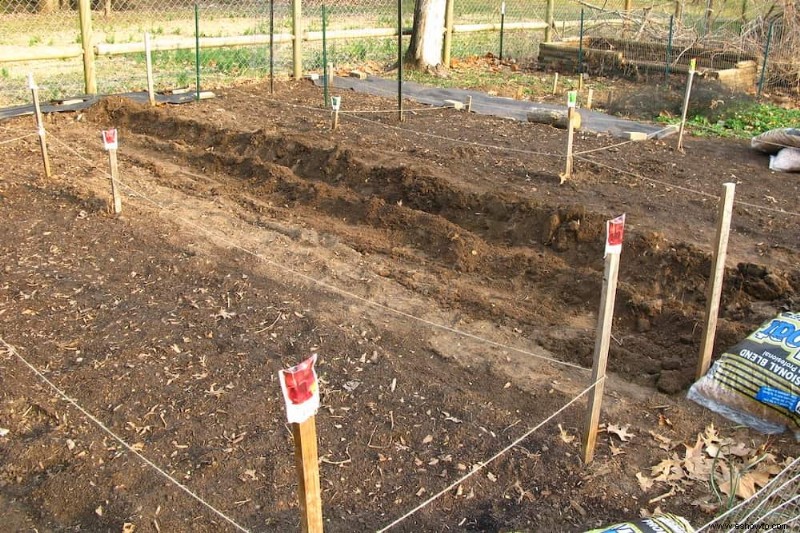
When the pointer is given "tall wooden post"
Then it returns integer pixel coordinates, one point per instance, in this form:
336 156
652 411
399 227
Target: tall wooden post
306 461
548 31
717 276
687 95
626 17
448 33
85 13
40 125
602 342
297 39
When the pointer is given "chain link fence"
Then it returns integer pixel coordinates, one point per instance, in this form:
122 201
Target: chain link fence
44 37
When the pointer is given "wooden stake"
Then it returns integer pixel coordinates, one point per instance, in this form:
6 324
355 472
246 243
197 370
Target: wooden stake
87 43
601 346
40 125
469 104
686 104
148 60
570 134
112 159
329 75
589 98
717 277
580 82
306 461
555 82
335 120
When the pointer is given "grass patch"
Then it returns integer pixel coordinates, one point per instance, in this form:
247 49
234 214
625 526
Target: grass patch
743 123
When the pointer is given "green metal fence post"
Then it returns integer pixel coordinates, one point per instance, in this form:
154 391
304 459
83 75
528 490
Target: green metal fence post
297 39
502 26
325 54
766 56
400 59
580 46
271 46
197 50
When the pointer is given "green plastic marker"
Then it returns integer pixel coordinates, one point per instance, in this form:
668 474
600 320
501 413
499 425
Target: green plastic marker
693 65
572 98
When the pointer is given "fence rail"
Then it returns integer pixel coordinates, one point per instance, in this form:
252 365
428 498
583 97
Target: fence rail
89 46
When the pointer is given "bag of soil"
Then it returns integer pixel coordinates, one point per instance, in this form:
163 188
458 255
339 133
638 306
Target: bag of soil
664 523
773 141
757 382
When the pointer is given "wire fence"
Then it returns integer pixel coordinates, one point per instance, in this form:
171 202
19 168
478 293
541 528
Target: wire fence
46 37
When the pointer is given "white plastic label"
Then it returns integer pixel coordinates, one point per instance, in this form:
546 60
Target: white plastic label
615 230
336 102
110 141
300 390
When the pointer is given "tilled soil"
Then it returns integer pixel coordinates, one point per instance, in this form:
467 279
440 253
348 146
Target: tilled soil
252 236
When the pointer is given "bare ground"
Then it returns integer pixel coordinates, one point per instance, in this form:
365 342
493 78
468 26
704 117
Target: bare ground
170 322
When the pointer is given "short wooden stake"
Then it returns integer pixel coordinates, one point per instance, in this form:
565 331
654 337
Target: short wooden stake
112 159
335 123
306 461
469 104
148 60
589 98
329 75
717 276
686 97
601 346
580 82
555 82
40 125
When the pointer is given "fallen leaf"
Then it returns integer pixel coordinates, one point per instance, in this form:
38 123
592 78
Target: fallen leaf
224 314
706 506
427 439
621 432
663 442
127 527
4 432
645 483
566 437
491 477
615 450
139 446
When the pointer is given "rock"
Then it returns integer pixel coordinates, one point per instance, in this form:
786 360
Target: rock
642 325
671 381
671 364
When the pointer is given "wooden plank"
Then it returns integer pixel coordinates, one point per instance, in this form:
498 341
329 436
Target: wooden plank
165 44
717 276
307 464
15 54
601 346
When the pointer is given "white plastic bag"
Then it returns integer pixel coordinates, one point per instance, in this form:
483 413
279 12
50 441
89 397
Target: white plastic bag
787 160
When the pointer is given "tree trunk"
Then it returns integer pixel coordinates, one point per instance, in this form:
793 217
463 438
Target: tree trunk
427 35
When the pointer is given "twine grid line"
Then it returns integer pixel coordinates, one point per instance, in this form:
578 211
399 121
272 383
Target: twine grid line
330 287
499 454
13 351
8 141
760 493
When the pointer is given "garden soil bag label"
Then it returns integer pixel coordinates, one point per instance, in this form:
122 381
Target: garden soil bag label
757 382
665 523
